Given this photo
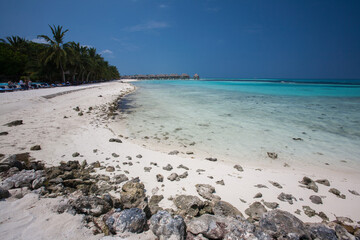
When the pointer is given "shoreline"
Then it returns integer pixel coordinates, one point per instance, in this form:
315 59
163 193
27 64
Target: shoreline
45 124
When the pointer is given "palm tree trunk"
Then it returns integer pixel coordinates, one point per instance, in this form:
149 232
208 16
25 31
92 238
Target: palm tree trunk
87 77
63 73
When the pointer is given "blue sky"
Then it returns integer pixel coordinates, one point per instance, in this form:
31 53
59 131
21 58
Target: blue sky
215 38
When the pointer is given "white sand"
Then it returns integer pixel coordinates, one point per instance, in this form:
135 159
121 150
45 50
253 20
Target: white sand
60 137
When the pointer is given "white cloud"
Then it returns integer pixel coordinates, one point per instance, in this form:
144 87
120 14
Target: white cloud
150 25
39 40
106 51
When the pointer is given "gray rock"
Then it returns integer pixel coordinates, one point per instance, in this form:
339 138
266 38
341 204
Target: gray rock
173 177
309 211
168 167
283 225
255 211
90 205
316 199
133 195
130 220
239 168
211 159
3 133
110 169
275 184
323 182
309 183
321 232
22 179
4 193
354 192
120 178
35 148
272 155
337 193
271 205
14 123
165 227
206 191
260 186
175 152
188 205
225 209
159 178
182 166
115 140
38 182
139 156
184 175
258 195
189 152
220 182
115 155
154 203
147 169
286 198
76 154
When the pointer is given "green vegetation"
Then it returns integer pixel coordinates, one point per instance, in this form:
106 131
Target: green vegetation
55 61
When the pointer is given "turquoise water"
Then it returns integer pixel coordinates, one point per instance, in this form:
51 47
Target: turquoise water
243 120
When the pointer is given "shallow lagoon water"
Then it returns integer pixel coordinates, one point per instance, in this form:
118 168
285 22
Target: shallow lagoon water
243 120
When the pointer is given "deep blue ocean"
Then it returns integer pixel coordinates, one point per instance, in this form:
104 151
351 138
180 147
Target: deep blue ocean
241 120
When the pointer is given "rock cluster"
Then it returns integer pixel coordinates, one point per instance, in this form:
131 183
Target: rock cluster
130 211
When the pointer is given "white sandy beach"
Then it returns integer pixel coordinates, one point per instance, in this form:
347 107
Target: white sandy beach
59 137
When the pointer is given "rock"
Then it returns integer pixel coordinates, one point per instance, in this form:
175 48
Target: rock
218 227
271 205
258 195
35 148
129 158
206 191
189 152
154 203
96 164
130 220
165 227
342 233
309 211
286 198
159 178
211 159
3 133
133 195
255 211
115 155
225 209
147 169
115 140
76 154
354 192
239 168
220 182
90 205
173 177
184 175
283 225
168 167
4 193
275 184
175 152
310 184
110 169
39 182
321 232
139 156
316 199
297 139
260 186
14 123
22 179
272 155
20 161
323 216
182 166
188 205
337 193
323 182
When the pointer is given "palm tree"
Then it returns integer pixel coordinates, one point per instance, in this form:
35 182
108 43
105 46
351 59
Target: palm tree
56 52
16 42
